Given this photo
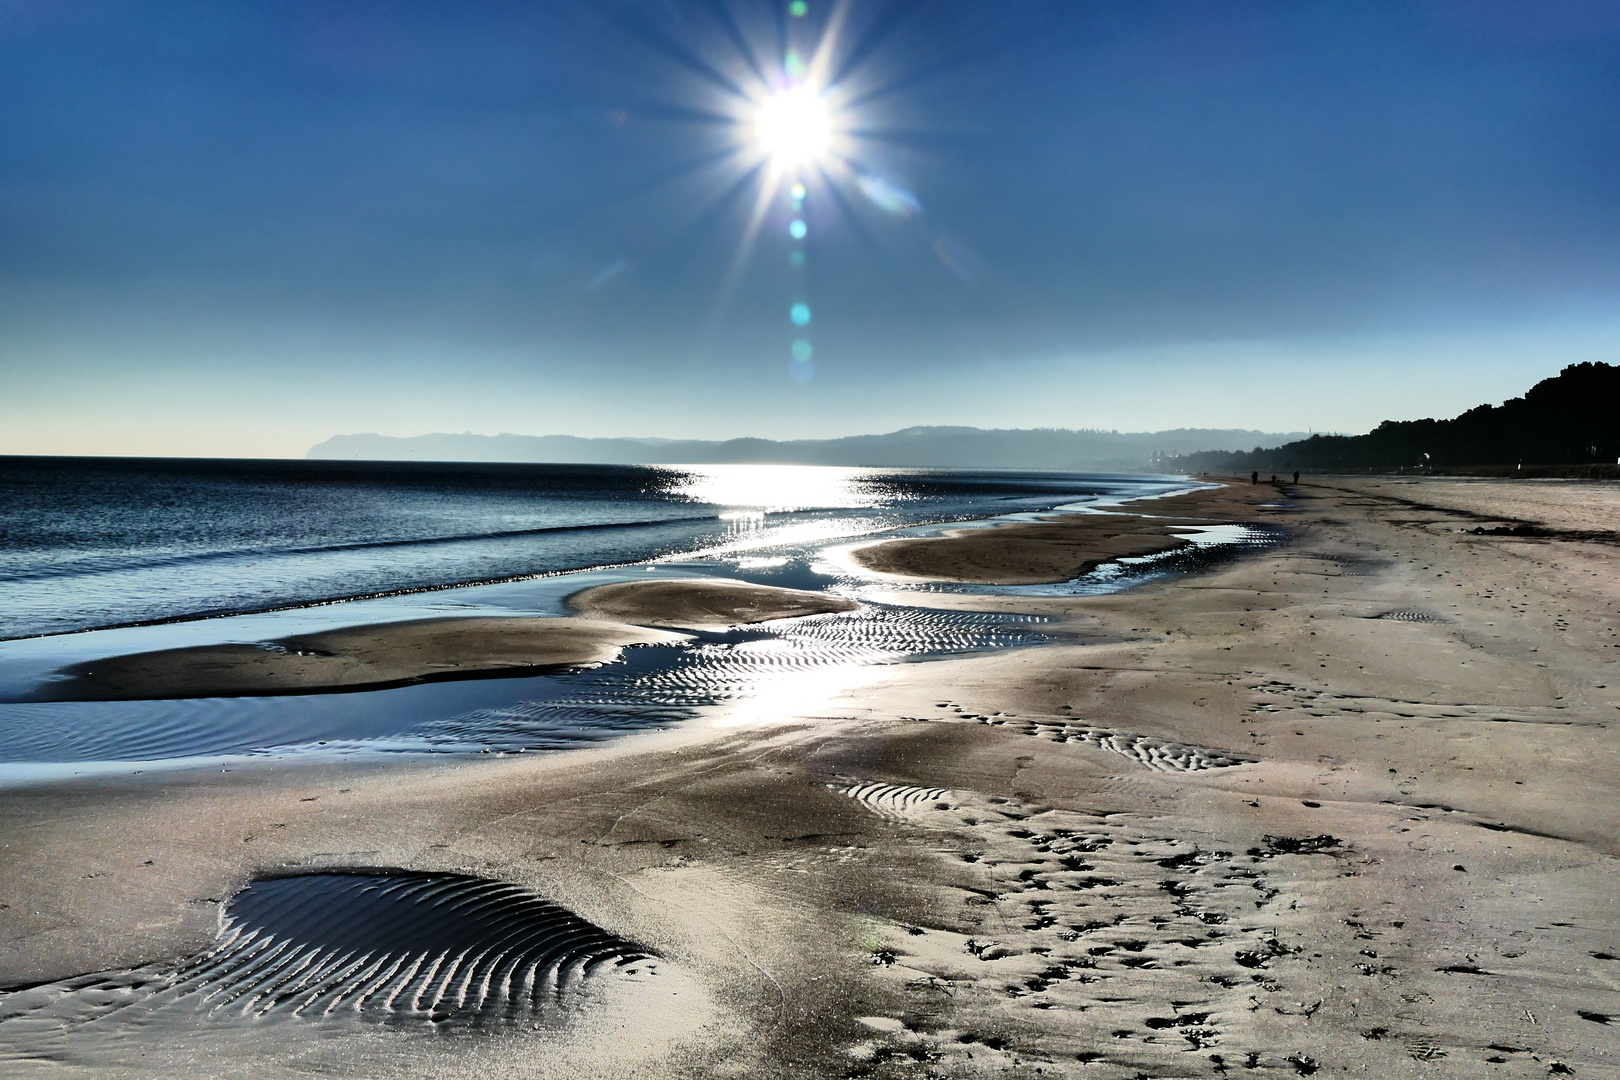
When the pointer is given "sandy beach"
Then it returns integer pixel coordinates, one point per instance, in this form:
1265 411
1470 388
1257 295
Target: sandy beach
1346 805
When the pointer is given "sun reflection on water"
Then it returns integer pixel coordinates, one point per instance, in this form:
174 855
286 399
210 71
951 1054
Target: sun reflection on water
770 489
765 505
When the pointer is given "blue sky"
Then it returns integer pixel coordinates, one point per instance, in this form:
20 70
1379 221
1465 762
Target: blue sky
240 228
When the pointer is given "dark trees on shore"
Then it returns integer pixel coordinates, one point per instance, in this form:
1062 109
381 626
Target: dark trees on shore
1572 419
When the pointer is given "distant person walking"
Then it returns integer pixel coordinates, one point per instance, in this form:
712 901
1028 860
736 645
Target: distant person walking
1254 477
1296 476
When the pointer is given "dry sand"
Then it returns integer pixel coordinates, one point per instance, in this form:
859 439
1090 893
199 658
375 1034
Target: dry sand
1344 807
1580 506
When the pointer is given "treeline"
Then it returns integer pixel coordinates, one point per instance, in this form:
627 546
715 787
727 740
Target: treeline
1570 420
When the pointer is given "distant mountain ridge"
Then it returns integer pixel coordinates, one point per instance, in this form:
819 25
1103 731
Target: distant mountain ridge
1572 419
915 447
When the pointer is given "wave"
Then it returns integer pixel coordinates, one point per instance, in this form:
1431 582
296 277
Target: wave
109 565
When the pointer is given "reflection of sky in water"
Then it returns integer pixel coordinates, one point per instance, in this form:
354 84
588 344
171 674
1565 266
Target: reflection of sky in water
787 526
782 513
1207 543
165 544
765 673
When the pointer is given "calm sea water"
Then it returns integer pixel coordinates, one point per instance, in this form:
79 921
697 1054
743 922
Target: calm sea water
88 543
110 557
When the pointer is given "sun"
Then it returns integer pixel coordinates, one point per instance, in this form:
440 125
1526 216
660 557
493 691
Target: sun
793 127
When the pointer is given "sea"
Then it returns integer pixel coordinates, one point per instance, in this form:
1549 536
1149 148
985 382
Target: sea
104 556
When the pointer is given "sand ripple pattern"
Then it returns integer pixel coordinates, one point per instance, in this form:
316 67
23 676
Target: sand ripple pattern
1409 615
648 687
430 949
1157 754
663 684
728 669
899 802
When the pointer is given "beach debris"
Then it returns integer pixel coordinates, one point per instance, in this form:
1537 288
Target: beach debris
1303 1064
1302 845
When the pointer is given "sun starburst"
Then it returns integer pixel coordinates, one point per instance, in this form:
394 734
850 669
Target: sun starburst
794 127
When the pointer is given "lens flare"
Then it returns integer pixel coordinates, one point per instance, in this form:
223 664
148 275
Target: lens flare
800 314
794 126
888 196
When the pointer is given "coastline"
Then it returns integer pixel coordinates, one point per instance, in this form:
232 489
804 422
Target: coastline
1346 804
222 560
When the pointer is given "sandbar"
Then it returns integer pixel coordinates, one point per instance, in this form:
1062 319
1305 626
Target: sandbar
367 657
1059 548
701 605
378 655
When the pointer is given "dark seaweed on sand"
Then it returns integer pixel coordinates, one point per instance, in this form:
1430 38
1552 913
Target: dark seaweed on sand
1302 845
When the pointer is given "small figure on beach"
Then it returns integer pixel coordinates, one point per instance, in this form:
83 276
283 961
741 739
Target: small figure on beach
1296 476
1273 478
1254 477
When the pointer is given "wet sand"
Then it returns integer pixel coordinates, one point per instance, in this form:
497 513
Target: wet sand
701 605
395 654
351 658
1060 548
1345 806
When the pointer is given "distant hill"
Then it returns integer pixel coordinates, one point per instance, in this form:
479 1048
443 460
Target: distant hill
958 447
1570 420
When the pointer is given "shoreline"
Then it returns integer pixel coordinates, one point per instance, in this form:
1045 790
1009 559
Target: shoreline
1056 549
702 551
383 655
1360 783
378 653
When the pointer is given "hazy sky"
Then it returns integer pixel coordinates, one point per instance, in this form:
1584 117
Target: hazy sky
238 228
